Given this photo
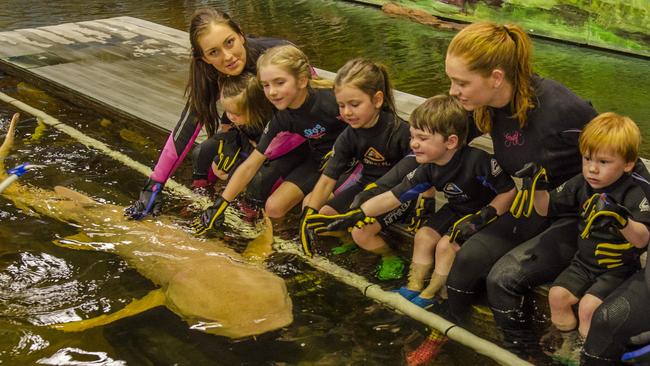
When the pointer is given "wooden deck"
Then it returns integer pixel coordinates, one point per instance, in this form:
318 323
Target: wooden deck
123 66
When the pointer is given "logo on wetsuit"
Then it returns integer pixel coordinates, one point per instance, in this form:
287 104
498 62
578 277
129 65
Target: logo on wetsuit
515 138
451 190
644 206
374 157
315 133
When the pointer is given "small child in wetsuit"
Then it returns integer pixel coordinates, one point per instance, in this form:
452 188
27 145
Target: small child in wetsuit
613 226
246 112
476 189
376 139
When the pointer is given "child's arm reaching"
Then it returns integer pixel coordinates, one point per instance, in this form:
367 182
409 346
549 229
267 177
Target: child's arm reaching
469 225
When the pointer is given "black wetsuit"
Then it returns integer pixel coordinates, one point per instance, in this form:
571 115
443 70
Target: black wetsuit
605 259
549 138
377 148
623 314
237 138
469 181
385 183
317 120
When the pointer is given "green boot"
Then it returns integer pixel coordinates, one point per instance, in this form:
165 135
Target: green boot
390 268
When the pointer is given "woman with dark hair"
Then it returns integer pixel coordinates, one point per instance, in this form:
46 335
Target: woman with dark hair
219 49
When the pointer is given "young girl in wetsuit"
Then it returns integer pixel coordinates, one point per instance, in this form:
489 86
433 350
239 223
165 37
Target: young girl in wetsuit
219 48
248 111
376 138
304 110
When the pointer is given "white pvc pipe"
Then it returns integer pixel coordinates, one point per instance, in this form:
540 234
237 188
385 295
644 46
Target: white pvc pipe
7 182
369 289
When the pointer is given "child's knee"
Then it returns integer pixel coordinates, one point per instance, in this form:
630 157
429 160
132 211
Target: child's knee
560 298
276 208
426 237
587 307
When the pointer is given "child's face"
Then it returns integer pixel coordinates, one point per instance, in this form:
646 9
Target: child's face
357 108
472 89
223 48
231 107
430 148
282 89
601 168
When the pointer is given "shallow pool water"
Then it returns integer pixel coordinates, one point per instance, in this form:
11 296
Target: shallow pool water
41 283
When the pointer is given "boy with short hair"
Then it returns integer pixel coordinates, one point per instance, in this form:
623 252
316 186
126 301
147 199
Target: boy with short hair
475 186
613 228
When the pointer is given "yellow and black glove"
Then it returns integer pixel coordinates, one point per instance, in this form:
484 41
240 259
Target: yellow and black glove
306 233
534 178
324 160
227 152
424 207
212 218
601 211
322 224
469 225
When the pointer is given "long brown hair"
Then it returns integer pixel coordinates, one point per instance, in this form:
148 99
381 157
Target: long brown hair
486 46
369 77
202 87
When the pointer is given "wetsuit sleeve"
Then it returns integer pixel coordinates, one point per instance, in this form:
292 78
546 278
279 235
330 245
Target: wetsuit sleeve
395 175
492 176
413 184
343 153
637 203
178 144
272 129
565 199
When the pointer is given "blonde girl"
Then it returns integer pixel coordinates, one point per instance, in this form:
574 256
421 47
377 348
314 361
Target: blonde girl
305 110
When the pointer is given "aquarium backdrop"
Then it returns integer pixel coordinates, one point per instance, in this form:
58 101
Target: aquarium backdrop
622 25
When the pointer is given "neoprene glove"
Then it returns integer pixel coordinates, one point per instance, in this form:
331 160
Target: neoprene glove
212 218
324 160
345 221
470 224
227 151
149 201
424 207
640 355
306 236
600 211
534 178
